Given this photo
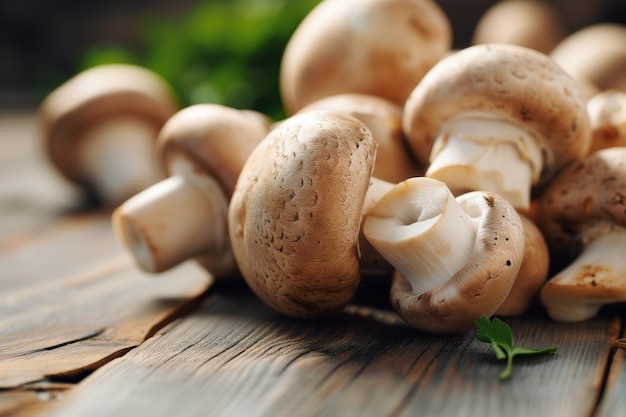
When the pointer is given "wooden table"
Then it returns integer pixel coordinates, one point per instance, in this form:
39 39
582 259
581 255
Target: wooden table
83 332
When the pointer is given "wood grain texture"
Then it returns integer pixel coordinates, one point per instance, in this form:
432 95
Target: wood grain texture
613 402
71 300
234 357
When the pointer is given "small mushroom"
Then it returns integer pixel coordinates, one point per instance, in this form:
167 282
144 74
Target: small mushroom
497 117
535 24
99 129
377 47
394 161
295 214
456 259
595 55
582 218
607 114
184 216
533 272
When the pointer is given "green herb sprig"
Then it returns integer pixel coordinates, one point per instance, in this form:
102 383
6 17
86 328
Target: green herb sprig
500 336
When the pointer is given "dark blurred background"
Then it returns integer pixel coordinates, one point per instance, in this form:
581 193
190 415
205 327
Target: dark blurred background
207 46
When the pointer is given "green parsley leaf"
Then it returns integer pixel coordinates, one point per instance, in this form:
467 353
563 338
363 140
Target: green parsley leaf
499 335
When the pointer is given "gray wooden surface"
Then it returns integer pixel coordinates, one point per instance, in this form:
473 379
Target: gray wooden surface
83 332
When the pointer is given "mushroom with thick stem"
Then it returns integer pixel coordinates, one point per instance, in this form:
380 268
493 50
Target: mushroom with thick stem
607 114
595 56
295 214
535 24
377 47
99 129
582 217
497 117
394 161
456 259
203 148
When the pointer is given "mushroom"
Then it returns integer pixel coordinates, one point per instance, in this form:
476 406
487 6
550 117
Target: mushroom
496 117
456 259
203 148
100 126
582 218
534 24
394 161
607 115
295 215
377 47
533 272
595 55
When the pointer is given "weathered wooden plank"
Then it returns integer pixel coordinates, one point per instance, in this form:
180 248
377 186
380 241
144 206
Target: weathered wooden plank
613 402
235 357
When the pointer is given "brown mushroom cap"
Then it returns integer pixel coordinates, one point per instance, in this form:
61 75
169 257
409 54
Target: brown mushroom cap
68 113
295 215
586 199
216 138
534 24
516 83
394 161
377 47
595 54
480 287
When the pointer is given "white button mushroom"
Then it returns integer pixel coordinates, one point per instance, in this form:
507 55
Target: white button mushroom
496 117
607 114
203 148
100 126
295 214
377 47
582 216
456 259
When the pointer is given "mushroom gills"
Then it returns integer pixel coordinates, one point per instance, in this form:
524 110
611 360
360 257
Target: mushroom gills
479 151
595 278
421 223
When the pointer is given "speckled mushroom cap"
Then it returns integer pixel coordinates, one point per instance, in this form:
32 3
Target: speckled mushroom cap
378 47
95 94
585 200
295 215
217 138
394 161
596 54
513 82
480 287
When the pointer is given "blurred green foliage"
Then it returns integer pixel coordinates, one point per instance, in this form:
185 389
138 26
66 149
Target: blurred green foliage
220 51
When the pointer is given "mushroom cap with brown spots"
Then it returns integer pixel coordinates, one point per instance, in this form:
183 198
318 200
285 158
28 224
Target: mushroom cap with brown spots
512 82
585 199
480 287
295 215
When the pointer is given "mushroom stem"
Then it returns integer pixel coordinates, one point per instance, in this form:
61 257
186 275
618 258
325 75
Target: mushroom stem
479 151
422 224
593 279
118 159
174 220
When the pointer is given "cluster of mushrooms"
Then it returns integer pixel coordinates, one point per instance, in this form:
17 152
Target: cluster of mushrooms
473 182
